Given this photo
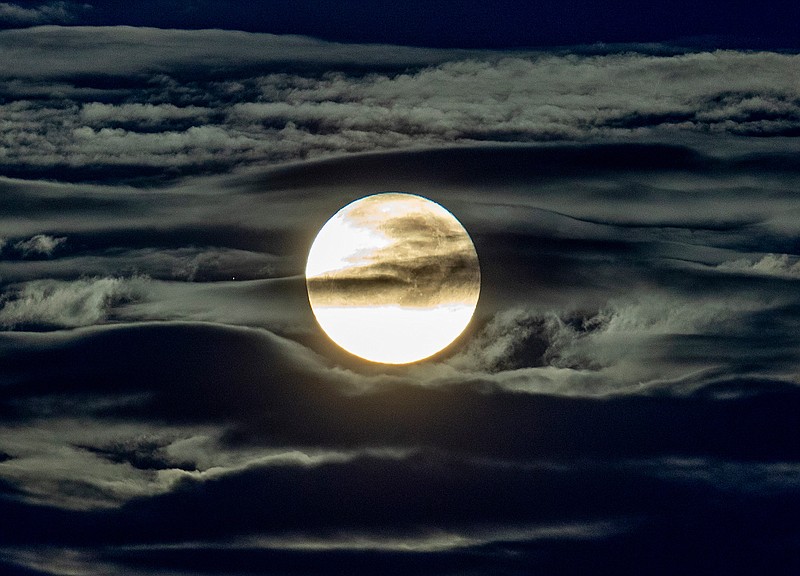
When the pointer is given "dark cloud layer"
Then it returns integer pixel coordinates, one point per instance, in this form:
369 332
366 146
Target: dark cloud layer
626 399
669 524
271 390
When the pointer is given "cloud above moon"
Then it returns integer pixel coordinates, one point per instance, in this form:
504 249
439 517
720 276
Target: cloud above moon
291 98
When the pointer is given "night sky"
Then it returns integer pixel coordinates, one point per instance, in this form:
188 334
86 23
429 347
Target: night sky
626 399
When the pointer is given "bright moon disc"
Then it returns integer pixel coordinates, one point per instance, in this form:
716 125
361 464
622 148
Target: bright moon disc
393 278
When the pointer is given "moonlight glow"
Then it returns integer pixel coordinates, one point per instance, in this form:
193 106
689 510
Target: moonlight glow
393 278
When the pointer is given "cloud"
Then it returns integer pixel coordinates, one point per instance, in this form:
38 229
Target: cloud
279 305
100 466
627 346
52 304
558 244
532 506
91 50
278 393
97 113
39 245
780 265
160 423
67 474
192 264
330 553
629 382
46 13
212 100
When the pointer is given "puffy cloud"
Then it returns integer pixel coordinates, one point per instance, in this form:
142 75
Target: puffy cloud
781 265
659 344
401 98
59 304
39 245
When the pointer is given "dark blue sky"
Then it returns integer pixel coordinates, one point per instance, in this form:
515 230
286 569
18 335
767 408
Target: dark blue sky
475 24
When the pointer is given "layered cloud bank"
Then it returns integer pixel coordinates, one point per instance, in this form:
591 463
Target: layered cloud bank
170 101
626 400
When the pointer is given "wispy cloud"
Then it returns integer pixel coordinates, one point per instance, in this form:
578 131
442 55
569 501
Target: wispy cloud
57 304
44 13
110 465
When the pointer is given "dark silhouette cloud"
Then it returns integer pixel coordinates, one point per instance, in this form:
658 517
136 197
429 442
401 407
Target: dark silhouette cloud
271 391
556 515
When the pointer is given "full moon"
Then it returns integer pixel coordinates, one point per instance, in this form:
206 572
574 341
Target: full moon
393 278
